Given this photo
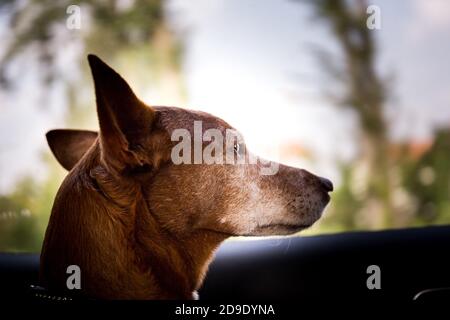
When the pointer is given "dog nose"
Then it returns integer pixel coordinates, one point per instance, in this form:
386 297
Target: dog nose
327 184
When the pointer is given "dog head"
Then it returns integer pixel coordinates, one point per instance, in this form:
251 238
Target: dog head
231 194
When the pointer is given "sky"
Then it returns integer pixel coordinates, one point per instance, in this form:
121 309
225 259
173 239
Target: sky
251 63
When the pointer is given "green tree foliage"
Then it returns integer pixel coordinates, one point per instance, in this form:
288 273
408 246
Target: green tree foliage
381 188
363 92
24 212
133 37
428 179
106 28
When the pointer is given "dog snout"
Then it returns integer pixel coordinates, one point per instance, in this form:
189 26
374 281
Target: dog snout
326 184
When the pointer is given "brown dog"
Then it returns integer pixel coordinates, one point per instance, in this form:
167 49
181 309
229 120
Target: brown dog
141 227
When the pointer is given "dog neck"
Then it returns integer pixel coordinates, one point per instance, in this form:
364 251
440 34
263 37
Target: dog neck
172 265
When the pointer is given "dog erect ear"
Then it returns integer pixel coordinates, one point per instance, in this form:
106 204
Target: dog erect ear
124 120
68 146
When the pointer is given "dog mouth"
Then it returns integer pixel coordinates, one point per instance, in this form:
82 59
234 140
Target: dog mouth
291 228
286 226
279 229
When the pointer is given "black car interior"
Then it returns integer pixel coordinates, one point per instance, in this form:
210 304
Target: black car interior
413 263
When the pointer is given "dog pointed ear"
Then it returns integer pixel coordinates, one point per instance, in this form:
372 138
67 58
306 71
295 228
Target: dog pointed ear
124 120
68 146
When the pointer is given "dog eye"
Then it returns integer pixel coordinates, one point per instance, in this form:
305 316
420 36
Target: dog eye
236 147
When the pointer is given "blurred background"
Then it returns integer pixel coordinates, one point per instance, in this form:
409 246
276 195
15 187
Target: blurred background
309 83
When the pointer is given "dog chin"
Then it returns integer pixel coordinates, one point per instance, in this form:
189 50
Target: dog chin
281 229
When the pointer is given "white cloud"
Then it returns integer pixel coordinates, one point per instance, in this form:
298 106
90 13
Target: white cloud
435 13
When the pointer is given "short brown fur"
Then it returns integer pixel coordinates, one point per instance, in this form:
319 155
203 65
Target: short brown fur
140 227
